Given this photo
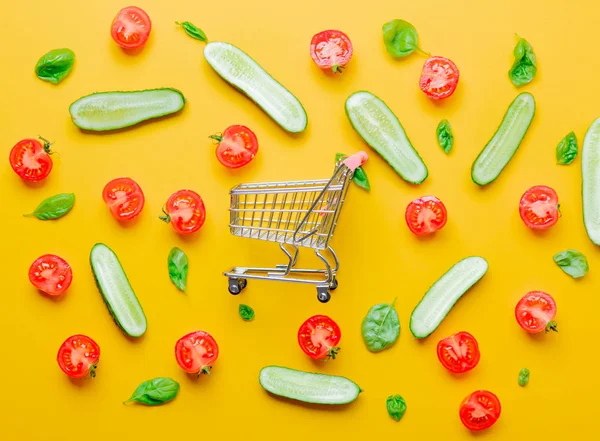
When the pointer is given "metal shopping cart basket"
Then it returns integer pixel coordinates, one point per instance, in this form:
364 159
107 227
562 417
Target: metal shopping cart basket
295 214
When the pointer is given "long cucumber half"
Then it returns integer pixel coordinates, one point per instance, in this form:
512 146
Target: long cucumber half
590 173
382 131
505 142
241 71
115 110
116 291
308 387
441 297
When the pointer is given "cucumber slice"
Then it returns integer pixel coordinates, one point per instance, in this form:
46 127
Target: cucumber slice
308 387
382 131
241 71
505 142
115 110
590 173
116 291
441 297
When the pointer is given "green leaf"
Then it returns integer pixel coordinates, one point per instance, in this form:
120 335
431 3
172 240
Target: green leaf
572 262
523 377
567 149
381 327
55 65
193 31
524 67
396 406
155 392
360 176
445 137
400 38
246 313
54 207
178 268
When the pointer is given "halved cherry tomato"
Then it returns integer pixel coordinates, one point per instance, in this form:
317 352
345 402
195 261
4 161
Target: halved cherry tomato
78 356
319 337
31 160
50 274
458 353
196 352
480 410
124 198
539 207
185 211
425 215
439 78
331 50
236 147
131 27
535 312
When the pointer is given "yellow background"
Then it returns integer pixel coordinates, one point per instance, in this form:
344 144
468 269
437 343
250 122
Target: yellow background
380 258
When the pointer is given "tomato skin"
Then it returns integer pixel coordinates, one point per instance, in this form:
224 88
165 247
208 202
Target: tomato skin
458 353
196 352
439 78
236 147
78 356
124 197
31 160
331 50
319 336
480 410
185 211
539 208
426 215
535 312
131 27
50 274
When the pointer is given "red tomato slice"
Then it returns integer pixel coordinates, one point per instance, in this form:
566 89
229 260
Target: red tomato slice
331 50
196 352
131 27
124 198
50 274
185 211
237 146
426 215
31 160
535 312
458 353
78 356
318 337
539 207
439 78
480 410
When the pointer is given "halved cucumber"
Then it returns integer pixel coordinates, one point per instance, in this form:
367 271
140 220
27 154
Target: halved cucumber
241 71
590 173
441 297
505 142
382 131
116 291
116 110
308 387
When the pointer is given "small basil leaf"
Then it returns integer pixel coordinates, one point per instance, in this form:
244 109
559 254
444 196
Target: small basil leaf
572 262
178 268
381 327
396 406
567 149
155 392
524 67
523 377
55 65
193 31
246 313
360 176
400 38
54 207
445 137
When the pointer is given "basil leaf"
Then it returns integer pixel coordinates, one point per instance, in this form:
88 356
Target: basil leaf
54 207
524 67
400 38
572 262
55 65
523 377
178 268
381 327
396 406
246 313
193 31
445 136
360 176
566 150
155 392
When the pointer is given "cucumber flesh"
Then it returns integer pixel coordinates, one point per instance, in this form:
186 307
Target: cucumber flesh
590 173
505 142
116 291
382 131
441 297
308 387
115 110
241 71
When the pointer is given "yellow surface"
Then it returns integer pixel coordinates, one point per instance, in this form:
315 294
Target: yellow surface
380 258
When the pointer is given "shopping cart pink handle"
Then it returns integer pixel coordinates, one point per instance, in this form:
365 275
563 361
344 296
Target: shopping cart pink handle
356 160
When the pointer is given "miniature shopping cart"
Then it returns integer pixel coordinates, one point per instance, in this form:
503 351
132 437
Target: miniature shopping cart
295 214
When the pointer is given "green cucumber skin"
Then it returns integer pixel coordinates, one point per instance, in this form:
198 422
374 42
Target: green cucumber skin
590 172
473 168
263 382
133 123
214 65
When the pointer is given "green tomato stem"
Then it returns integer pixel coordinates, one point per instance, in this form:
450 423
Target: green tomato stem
217 137
551 326
332 353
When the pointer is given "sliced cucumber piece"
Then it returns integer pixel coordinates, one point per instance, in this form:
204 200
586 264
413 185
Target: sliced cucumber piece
382 131
241 71
590 173
307 386
505 142
116 110
441 297
116 291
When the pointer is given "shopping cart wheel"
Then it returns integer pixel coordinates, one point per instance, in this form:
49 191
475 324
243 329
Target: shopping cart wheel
323 294
236 285
333 285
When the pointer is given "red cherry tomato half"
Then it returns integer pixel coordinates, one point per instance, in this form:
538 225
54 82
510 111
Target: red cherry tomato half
124 198
196 352
426 215
439 78
458 353
50 274
31 160
236 147
480 410
319 336
331 50
131 27
185 211
535 312
78 356
539 207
